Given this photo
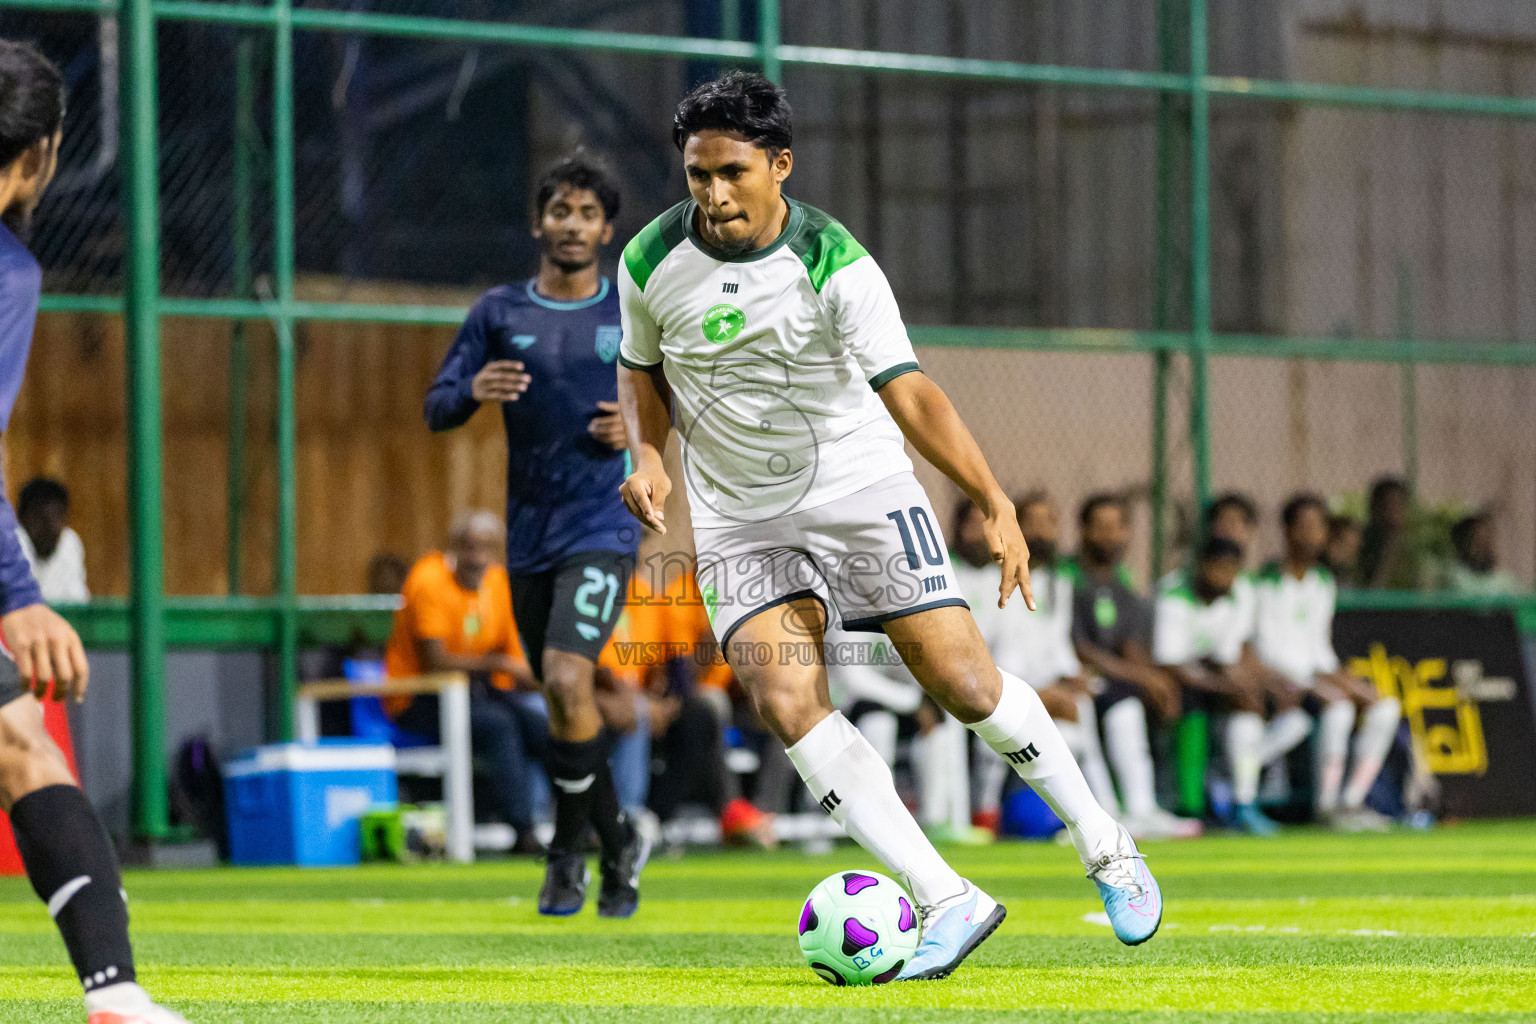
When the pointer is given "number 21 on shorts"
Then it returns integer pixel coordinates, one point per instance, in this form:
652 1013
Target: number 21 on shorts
587 594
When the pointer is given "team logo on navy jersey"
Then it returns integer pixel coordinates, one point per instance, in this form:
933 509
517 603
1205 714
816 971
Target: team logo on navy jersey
608 336
522 341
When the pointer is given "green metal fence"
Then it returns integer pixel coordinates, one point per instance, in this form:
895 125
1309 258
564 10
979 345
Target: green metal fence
1185 89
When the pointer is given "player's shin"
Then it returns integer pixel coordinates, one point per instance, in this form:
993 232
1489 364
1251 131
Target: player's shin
849 780
1333 729
73 869
1021 730
1371 745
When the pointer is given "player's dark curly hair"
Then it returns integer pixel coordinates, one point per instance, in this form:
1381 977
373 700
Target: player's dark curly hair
742 102
579 170
31 99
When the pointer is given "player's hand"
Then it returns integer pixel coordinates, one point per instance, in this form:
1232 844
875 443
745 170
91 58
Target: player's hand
645 493
47 651
1006 543
501 380
608 427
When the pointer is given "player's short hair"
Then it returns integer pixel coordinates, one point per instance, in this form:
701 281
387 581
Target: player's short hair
578 170
1232 499
1094 502
40 491
1220 547
31 99
1298 503
742 102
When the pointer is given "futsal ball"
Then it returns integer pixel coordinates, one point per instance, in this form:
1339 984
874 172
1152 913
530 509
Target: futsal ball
858 928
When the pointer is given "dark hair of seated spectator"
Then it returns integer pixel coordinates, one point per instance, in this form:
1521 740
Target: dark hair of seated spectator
42 509
1232 515
1217 567
386 573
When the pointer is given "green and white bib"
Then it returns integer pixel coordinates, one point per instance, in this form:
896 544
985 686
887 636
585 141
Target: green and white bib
773 358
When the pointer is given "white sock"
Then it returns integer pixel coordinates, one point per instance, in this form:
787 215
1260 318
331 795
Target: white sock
125 998
1371 745
849 780
1283 733
879 727
1245 732
1020 729
991 773
1091 758
1333 729
1125 737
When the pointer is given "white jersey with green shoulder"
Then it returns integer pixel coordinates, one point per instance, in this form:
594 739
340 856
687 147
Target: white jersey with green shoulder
773 358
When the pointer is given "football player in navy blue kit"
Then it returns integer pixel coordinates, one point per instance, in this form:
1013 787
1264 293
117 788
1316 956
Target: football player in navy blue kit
544 349
66 851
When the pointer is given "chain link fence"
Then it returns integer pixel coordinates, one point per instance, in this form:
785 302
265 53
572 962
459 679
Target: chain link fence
1059 212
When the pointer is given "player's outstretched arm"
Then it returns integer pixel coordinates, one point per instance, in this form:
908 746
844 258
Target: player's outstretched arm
925 415
645 401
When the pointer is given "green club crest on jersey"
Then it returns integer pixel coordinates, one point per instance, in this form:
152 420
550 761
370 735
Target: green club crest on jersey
711 598
723 322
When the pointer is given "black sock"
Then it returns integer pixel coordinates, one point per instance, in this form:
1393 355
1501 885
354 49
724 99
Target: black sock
607 817
73 869
573 770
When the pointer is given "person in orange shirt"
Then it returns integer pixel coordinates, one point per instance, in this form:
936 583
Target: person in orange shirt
457 617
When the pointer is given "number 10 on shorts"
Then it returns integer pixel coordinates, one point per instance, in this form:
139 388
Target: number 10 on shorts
922 528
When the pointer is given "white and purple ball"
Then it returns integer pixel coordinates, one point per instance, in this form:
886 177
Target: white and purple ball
858 928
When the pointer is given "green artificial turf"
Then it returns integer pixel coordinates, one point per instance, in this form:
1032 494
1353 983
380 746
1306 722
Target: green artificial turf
1412 926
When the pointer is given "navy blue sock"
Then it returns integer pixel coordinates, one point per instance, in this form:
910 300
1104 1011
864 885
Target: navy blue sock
73 868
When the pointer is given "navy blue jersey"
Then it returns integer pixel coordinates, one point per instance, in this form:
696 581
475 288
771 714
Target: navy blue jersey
20 282
562 485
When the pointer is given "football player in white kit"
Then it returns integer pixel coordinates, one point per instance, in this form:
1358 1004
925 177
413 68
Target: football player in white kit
766 333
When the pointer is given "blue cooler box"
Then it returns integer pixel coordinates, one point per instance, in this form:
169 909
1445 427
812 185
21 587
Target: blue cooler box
296 803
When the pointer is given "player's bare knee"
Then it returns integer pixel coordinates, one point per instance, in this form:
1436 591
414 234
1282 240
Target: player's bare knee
969 692
567 681
29 759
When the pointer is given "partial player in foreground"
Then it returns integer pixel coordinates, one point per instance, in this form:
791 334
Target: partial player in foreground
68 856
544 350
776 341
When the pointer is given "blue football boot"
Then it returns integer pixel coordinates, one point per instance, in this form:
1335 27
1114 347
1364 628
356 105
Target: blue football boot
950 932
1131 897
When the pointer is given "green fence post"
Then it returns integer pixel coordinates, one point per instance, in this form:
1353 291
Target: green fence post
141 317
1170 32
1199 254
1410 379
283 260
768 40
239 353
730 19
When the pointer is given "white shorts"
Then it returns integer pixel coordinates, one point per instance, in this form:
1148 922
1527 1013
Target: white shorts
875 555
